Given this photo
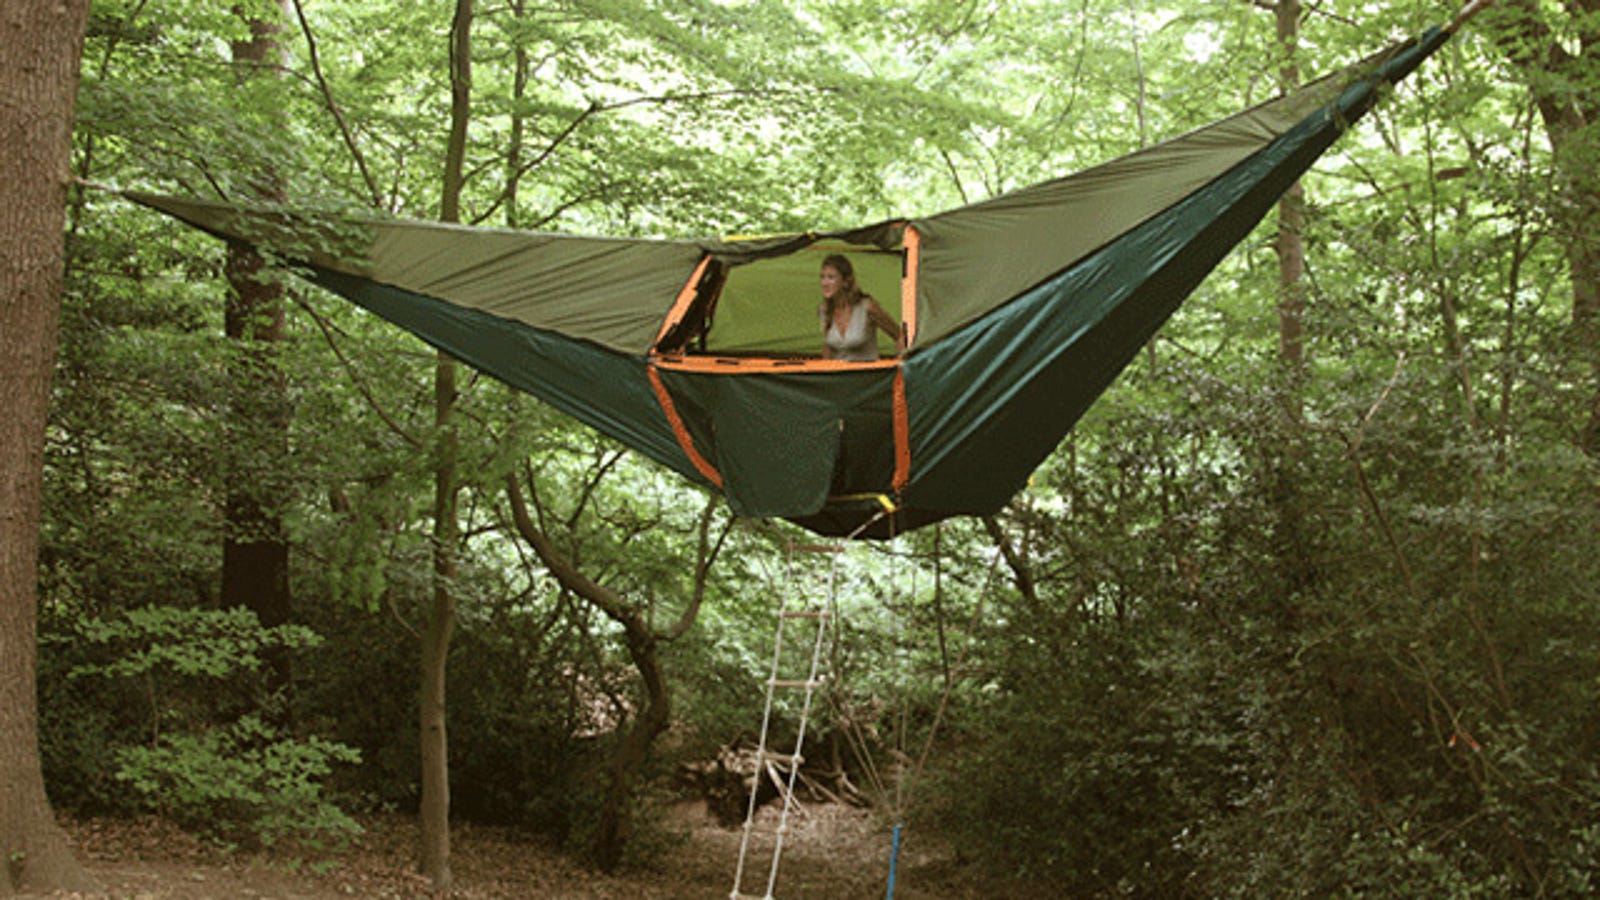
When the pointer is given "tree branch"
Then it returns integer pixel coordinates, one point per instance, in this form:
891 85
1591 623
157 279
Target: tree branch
704 559
595 107
602 466
388 602
1021 574
613 604
516 176
955 176
333 107
1353 453
361 386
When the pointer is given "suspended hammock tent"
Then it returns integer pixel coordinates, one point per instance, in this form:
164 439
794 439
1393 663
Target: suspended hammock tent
702 355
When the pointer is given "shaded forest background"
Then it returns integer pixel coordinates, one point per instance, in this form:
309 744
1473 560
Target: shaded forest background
1306 604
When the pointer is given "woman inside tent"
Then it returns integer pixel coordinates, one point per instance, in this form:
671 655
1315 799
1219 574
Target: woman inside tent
851 319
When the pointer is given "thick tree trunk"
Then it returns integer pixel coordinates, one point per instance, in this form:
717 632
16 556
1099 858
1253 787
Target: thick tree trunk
633 749
255 549
1529 35
40 45
435 810
1572 129
1581 156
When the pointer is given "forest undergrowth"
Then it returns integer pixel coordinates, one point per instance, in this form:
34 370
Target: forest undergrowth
833 852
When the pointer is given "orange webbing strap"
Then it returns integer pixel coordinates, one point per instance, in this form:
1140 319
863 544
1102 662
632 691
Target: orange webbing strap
908 284
760 365
680 306
680 431
902 433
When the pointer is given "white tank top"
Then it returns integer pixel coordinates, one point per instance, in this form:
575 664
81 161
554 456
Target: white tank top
859 340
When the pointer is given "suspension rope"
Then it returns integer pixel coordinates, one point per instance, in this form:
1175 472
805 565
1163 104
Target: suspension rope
910 768
901 605
960 662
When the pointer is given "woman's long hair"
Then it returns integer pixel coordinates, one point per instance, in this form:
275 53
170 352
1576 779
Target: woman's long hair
849 293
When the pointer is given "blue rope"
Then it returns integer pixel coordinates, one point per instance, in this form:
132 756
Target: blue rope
894 857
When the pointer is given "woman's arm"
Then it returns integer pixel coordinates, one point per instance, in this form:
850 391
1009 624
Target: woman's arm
886 323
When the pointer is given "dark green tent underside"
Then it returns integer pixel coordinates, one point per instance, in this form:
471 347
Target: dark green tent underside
601 388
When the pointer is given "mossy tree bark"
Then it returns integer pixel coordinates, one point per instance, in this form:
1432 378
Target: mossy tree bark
40 45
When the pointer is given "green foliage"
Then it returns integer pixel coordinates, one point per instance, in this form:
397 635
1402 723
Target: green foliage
166 642
649 837
245 779
232 776
81 724
361 693
1315 658
1335 651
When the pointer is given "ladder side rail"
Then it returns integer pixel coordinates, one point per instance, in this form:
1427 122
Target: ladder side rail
766 723
805 717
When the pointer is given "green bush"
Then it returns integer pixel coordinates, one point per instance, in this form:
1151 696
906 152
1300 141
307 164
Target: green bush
178 714
246 780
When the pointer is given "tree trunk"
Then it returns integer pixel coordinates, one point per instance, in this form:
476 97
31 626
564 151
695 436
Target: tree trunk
1289 244
435 810
643 640
633 749
1556 77
255 549
1290 241
1578 157
40 45
1571 127
520 68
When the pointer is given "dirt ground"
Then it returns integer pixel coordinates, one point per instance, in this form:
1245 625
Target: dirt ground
831 853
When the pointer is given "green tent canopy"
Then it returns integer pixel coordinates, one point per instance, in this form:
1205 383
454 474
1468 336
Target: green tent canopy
704 354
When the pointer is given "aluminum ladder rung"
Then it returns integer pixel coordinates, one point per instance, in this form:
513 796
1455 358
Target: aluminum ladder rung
789 683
